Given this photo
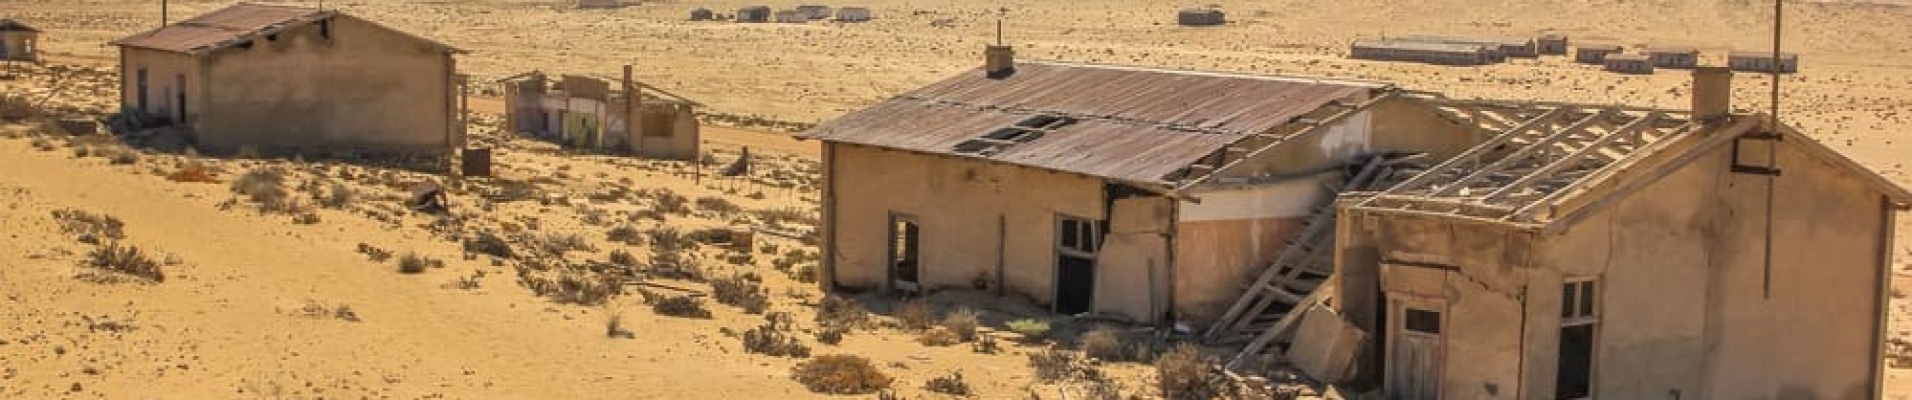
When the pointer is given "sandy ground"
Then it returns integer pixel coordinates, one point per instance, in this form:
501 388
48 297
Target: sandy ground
232 320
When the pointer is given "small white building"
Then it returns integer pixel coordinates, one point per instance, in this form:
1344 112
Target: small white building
853 14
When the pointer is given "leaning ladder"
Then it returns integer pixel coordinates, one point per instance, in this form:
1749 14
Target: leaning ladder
1282 281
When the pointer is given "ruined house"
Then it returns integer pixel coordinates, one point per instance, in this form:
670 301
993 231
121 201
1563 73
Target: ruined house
1595 54
1422 52
18 42
1200 17
853 14
1597 251
1674 57
1140 194
814 12
600 3
1759 61
279 79
1552 44
790 17
1504 46
753 14
589 113
701 14
1628 63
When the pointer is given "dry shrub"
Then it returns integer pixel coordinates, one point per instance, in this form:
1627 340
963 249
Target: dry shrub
840 374
411 263
1185 372
668 202
127 260
1053 365
836 311
677 306
120 155
490 244
963 323
571 286
614 327
952 384
623 258
265 187
18 107
306 218
831 335
89 225
192 173
556 244
337 195
768 340
1105 343
807 273
374 253
718 205
914 315
740 291
625 234
1032 329
938 337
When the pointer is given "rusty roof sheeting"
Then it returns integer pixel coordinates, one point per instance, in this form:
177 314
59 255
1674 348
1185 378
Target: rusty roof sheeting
8 25
1132 124
233 25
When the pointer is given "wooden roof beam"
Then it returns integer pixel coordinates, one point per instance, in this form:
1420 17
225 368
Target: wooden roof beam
1548 170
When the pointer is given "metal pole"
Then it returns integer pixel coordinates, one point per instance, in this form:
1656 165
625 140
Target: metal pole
1772 156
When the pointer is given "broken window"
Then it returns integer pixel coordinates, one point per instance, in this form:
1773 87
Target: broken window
1577 321
905 251
1078 235
325 28
1422 321
1001 139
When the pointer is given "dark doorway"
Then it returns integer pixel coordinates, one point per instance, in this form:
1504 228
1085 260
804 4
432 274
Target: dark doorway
179 81
905 252
1076 243
141 77
1578 316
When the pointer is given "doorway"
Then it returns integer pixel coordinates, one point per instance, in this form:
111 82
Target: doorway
1578 317
179 81
905 253
1414 349
1077 240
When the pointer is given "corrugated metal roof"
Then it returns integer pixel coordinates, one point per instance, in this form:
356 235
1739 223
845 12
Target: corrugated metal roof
8 25
1419 46
1760 54
231 26
1133 124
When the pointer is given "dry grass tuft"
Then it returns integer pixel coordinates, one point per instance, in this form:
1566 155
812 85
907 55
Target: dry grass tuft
938 337
963 323
573 286
677 306
489 244
914 315
89 227
625 234
841 312
1104 343
766 339
952 384
127 260
741 291
1051 365
840 374
1185 372
411 263
265 187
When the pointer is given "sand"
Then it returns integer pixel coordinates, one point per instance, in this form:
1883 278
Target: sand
233 319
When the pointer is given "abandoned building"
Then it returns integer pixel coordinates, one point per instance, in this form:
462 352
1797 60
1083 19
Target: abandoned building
853 14
753 14
814 12
1758 61
1076 185
1552 44
1502 47
790 17
1626 253
1628 63
702 14
18 42
1200 17
1422 52
587 112
1674 57
283 79
1595 54
600 3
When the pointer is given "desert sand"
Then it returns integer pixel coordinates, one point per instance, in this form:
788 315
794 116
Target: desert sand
250 306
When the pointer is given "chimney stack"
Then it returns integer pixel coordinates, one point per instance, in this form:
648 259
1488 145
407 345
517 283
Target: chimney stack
1712 94
999 60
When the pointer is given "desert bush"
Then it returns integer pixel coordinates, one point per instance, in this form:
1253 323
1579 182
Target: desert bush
831 335
807 273
570 286
1185 372
914 315
1105 343
668 202
718 205
488 243
614 326
127 260
840 374
623 258
841 312
121 156
265 187
938 337
85 224
952 384
374 253
963 323
1032 329
625 234
412 263
741 292
43 144
337 195
786 216
306 218
766 339
556 244
679 306
1051 365
193 173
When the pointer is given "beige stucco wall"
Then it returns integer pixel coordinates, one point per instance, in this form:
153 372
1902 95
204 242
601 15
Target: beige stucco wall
163 72
958 204
366 89
682 141
15 45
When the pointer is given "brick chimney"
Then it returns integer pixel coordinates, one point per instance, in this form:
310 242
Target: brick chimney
999 60
1712 94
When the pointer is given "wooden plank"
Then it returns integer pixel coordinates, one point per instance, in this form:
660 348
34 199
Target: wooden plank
1590 148
1470 154
1502 163
1634 183
1602 174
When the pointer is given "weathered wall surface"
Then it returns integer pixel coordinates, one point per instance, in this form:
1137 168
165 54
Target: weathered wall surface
365 89
965 209
667 132
1224 242
163 74
14 45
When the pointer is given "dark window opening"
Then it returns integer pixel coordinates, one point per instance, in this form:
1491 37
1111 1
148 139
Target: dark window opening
325 28
141 101
179 82
1046 122
245 45
272 37
905 250
1078 235
977 147
1013 135
1422 321
1575 378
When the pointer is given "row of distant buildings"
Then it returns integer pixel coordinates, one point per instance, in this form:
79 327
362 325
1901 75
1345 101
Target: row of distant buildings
1466 50
17 41
798 15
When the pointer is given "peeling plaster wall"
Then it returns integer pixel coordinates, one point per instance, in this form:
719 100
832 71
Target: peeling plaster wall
163 71
958 203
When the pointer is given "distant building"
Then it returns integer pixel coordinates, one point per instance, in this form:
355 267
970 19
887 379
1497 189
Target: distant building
600 3
587 112
1759 61
284 79
18 42
853 14
791 17
1674 57
1595 53
1424 52
1200 17
753 14
814 12
701 14
1629 63
1552 43
1506 47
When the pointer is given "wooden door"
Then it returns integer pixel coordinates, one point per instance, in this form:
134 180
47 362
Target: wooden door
1414 350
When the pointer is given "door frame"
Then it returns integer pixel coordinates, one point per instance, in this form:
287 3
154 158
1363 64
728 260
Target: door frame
890 282
1055 262
1397 305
